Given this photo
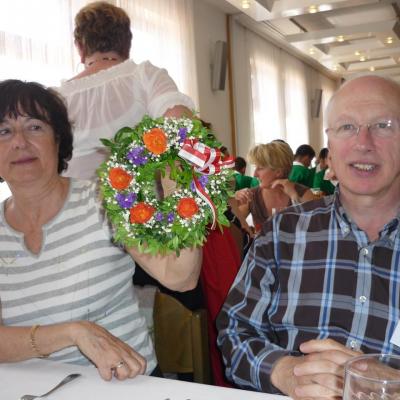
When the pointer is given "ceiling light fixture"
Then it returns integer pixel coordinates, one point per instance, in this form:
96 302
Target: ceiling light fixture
245 4
362 58
357 53
311 51
335 67
340 38
312 9
372 68
389 40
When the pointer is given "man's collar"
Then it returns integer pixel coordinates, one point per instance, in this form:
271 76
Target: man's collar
299 163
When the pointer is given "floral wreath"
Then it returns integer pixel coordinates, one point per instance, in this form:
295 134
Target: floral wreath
176 150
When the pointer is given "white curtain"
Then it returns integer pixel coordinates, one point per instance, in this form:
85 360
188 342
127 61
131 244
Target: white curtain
39 46
279 93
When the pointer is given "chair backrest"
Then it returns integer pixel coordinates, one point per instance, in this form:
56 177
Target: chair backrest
180 338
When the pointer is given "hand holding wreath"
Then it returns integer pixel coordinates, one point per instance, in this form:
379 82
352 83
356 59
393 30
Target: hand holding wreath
164 183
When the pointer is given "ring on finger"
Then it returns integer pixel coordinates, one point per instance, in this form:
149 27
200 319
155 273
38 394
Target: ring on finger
119 365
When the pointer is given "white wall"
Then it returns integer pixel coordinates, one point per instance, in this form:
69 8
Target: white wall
210 26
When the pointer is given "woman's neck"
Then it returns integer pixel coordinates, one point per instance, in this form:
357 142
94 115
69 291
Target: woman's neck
103 59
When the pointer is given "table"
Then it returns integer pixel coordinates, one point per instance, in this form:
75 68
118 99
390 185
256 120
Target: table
38 376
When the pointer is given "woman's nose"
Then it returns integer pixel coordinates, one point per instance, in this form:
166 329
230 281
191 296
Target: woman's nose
18 139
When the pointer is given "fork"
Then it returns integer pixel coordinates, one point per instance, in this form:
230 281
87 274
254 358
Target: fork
67 379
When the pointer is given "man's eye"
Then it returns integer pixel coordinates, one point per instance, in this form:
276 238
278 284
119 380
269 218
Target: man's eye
4 131
347 127
384 124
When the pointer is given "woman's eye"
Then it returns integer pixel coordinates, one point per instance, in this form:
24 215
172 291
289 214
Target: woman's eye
4 131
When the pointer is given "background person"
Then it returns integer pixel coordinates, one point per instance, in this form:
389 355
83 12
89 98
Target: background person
241 179
273 162
112 92
301 171
320 278
320 182
65 287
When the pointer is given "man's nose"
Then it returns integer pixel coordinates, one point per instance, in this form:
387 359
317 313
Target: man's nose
364 137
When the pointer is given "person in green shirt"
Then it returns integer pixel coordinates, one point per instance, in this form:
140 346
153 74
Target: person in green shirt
324 185
301 172
241 180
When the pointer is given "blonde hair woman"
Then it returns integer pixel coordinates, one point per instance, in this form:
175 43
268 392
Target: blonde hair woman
273 162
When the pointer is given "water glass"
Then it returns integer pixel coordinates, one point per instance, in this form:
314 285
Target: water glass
372 377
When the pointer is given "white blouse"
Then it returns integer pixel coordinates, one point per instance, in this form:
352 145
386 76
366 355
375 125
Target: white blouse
101 104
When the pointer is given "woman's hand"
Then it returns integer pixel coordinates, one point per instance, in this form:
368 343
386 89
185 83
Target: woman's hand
107 352
287 187
244 196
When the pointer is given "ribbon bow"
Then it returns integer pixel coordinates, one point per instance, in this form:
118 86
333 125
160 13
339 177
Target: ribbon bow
207 161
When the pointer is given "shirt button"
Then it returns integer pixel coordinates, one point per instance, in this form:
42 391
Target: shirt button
364 251
362 299
353 344
346 230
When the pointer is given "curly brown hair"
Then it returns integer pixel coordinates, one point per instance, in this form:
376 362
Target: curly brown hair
101 26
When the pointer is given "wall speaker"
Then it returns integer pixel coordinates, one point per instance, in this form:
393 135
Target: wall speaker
218 66
316 103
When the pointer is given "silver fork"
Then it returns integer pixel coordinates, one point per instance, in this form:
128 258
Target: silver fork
67 379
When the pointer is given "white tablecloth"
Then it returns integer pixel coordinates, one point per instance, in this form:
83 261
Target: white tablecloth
38 376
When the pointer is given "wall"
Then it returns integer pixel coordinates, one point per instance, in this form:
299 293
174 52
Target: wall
210 26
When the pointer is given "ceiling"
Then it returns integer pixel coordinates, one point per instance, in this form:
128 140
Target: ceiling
344 37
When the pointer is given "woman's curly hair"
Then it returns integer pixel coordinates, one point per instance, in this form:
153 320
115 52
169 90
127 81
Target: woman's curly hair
103 27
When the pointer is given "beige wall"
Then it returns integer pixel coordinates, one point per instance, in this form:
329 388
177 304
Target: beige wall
210 26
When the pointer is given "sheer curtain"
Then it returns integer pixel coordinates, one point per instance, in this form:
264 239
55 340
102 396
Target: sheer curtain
36 47
279 93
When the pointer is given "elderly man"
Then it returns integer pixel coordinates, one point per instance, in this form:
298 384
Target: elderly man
322 282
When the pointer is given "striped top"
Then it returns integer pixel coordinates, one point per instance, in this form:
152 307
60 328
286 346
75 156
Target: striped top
311 274
79 274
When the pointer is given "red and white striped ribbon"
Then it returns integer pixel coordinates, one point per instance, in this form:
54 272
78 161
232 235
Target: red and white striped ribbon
207 161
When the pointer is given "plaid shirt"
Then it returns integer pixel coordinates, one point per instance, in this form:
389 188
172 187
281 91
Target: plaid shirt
311 273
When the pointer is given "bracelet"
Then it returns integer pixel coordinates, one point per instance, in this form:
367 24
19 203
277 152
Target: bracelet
33 342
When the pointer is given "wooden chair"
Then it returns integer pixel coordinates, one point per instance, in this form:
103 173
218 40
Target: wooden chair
181 339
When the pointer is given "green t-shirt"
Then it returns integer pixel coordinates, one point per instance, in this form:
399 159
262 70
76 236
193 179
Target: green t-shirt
245 181
319 182
301 174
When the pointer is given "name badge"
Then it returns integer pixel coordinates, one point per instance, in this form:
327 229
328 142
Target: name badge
395 339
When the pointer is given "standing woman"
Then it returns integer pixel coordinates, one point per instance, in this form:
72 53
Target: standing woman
65 286
112 92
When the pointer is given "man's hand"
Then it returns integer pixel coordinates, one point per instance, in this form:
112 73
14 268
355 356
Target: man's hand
316 375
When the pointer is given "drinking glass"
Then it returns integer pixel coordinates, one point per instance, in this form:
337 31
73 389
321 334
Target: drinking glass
372 377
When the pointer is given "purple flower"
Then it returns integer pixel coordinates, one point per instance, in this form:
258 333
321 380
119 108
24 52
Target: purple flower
182 134
159 217
135 156
202 179
125 200
170 217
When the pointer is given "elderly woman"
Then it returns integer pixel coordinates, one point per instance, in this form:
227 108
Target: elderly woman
65 287
112 91
273 162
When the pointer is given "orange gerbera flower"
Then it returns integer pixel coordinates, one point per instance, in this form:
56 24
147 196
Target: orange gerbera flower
119 178
141 213
187 207
155 140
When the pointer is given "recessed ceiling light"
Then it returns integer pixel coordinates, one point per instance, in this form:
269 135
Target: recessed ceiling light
311 51
312 9
357 53
372 68
389 40
340 38
362 58
245 4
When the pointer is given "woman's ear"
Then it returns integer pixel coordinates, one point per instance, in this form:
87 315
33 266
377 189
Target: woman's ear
278 174
81 51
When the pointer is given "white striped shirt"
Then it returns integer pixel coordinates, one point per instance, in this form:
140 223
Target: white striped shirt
79 274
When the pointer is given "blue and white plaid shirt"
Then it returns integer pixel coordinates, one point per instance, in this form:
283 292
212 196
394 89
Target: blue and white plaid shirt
311 274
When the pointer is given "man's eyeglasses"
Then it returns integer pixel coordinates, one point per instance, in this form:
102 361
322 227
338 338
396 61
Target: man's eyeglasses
384 128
